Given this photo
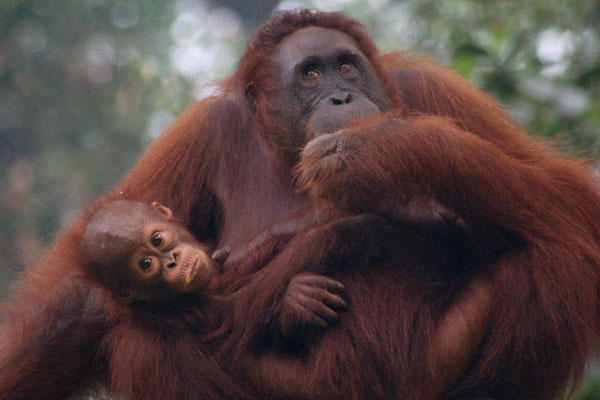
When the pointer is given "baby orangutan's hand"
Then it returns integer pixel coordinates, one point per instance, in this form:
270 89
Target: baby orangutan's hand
310 300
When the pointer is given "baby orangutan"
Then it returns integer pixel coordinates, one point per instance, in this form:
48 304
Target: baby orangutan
163 314
166 311
142 252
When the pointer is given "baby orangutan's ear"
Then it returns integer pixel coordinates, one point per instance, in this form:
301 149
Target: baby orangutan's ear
162 210
124 295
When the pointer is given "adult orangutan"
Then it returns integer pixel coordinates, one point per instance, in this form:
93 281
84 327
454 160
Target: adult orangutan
326 147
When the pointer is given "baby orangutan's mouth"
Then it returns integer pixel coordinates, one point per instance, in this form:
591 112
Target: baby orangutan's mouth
193 271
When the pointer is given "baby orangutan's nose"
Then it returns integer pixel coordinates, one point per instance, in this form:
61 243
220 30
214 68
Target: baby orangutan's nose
173 262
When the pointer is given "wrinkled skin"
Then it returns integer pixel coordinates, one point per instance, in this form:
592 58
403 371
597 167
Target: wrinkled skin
326 83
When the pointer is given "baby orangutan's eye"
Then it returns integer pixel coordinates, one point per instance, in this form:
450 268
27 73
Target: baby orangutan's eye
157 239
145 263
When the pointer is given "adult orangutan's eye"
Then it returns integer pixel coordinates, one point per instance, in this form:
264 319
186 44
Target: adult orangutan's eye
348 70
311 74
157 239
145 263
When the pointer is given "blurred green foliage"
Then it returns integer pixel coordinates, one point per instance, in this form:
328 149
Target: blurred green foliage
86 84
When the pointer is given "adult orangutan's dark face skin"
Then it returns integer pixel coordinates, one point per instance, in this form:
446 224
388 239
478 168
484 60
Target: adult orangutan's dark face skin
326 82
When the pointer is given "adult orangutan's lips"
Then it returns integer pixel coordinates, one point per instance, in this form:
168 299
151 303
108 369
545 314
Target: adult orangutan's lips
193 271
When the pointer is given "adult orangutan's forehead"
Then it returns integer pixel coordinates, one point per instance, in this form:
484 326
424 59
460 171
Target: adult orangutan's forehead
311 41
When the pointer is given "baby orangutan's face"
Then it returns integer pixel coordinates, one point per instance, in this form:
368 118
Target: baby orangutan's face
143 253
169 254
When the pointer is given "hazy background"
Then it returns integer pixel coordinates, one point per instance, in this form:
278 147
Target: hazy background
86 84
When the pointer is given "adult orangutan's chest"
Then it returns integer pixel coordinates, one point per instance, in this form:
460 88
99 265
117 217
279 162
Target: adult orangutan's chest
253 203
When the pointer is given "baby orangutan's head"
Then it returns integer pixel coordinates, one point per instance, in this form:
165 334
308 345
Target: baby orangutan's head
141 252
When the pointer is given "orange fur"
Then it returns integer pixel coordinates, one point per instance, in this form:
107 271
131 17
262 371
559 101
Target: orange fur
224 166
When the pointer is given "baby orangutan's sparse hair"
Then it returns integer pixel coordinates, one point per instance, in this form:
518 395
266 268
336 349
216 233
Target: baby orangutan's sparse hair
142 252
